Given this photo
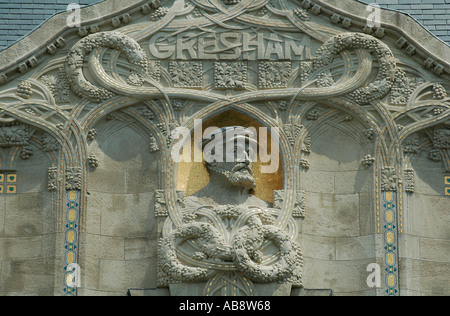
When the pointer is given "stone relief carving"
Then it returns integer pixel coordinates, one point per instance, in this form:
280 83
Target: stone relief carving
299 206
411 144
93 161
52 179
435 155
439 92
273 74
49 143
73 178
15 134
153 145
403 87
58 86
161 209
307 144
304 163
367 161
230 75
186 74
441 138
92 134
226 229
313 115
410 185
292 132
325 79
24 90
159 13
389 179
80 52
283 105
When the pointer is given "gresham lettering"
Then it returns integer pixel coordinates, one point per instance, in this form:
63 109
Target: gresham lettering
229 46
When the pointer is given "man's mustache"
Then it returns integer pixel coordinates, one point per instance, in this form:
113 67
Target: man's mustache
241 166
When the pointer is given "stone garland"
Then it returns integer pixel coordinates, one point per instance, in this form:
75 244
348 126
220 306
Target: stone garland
244 252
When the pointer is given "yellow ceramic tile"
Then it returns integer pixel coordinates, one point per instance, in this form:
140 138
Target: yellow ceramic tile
11 178
11 189
2 190
447 191
447 180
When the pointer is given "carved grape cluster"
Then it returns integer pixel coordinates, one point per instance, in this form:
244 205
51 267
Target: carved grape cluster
93 161
302 14
435 155
92 133
159 13
313 115
24 90
231 2
26 152
439 92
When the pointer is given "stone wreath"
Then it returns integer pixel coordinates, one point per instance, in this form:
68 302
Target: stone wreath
243 252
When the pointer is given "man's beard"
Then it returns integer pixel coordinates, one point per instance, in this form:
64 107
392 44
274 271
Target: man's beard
240 176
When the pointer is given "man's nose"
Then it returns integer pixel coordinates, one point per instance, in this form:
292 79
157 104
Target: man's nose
245 158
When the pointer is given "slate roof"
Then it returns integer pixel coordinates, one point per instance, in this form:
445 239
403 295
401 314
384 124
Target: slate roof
18 18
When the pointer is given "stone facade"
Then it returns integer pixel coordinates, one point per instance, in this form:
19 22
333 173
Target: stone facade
94 203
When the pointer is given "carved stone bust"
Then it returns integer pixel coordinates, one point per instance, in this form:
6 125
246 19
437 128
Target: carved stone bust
228 242
231 182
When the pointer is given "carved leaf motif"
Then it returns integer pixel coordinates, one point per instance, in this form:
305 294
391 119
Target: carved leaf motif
389 179
14 134
441 138
230 75
49 144
274 74
185 74
293 132
73 178
307 144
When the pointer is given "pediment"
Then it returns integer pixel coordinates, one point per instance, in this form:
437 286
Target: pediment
319 20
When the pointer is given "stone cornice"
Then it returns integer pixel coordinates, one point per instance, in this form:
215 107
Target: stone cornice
412 36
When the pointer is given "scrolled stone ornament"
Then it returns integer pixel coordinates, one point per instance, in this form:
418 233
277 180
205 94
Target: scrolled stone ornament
385 78
248 257
210 242
80 53
243 253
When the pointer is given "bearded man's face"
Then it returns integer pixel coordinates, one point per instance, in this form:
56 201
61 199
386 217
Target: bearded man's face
239 173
